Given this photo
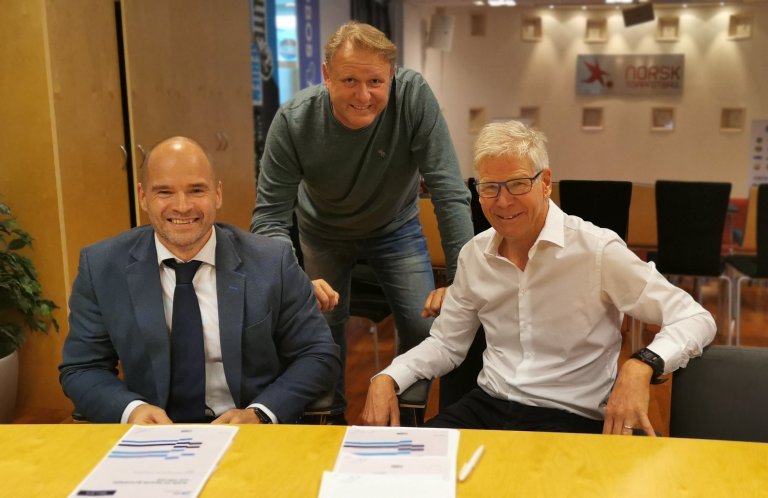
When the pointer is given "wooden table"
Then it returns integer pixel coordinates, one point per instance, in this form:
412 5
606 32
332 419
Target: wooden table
288 461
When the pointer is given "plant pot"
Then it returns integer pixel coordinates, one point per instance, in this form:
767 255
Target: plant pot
9 382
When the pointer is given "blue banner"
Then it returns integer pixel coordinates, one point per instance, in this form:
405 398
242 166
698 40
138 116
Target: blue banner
308 27
263 69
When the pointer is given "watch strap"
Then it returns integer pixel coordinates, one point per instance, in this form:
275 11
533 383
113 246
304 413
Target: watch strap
654 361
263 417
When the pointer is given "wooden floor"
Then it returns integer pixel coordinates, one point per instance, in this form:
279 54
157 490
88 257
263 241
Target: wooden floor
360 352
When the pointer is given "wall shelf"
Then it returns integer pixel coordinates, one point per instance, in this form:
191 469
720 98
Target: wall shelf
592 118
662 119
476 119
531 115
532 30
732 119
668 29
740 27
477 24
597 31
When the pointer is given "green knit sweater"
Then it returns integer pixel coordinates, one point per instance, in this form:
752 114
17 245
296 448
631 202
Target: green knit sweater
353 184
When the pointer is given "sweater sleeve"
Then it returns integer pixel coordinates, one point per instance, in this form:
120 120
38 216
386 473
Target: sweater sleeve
279 177
437 162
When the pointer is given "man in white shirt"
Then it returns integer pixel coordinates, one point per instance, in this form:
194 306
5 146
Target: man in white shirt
550 290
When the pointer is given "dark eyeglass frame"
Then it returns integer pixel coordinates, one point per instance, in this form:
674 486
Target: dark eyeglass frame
531 180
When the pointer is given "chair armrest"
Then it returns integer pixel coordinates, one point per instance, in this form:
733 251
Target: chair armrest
321 406
416 395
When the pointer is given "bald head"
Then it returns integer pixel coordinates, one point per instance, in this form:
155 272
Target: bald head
175 149
180 194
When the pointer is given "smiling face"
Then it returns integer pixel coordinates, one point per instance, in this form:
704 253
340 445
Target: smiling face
181 195
358 82
518 218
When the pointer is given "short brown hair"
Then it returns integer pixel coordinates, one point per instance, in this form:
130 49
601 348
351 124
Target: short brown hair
360 35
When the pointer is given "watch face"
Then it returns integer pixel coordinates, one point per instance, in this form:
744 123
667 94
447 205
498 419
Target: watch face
652 359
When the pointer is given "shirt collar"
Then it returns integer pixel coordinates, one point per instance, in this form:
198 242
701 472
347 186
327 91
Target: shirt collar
207 253
553 231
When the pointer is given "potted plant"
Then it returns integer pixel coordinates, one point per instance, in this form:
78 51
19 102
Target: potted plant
22 306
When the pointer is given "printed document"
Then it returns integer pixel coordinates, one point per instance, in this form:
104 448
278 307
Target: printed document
394 461
158 461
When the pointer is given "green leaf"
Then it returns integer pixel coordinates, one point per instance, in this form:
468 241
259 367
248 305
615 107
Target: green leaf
21 299
17 244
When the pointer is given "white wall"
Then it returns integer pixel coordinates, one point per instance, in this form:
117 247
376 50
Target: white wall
333 13
501 73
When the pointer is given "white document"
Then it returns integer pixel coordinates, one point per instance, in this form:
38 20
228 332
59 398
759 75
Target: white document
394 461
158 461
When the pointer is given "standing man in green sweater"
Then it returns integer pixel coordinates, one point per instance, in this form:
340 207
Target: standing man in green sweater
348 155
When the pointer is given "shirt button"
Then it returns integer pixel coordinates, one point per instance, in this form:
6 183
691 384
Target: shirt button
528 355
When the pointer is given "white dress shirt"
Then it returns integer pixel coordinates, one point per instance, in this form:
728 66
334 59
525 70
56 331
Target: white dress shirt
218 398
553 330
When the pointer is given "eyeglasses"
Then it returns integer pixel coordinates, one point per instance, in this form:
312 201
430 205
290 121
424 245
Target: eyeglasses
515 186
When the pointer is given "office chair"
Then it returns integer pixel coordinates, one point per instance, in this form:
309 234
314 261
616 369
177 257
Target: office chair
429 226
752 267
479 222
722 395
604 203
367 300
690 217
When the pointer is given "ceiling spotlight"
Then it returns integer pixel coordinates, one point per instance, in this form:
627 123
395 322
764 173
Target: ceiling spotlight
479 3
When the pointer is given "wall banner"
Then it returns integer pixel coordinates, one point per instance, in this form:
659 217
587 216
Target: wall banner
265 96
308 27
640 74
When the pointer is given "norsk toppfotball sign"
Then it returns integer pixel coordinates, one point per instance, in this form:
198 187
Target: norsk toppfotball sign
642 74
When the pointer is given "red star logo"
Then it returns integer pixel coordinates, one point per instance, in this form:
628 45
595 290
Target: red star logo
596 74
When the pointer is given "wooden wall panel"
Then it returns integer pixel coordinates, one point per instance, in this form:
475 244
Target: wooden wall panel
89 131
188 66
29 184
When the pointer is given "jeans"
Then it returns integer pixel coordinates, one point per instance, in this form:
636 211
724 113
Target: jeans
402 266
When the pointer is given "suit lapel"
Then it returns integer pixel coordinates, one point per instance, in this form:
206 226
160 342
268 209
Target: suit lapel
230 290
143 277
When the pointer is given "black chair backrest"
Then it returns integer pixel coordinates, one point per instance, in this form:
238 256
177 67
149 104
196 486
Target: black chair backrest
479 222
722 395
690 217
604 203
762 231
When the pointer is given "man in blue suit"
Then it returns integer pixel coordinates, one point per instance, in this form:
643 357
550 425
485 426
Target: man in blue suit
267 351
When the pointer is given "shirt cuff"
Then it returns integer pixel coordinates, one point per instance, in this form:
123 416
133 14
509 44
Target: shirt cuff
266 410
129 409
402 375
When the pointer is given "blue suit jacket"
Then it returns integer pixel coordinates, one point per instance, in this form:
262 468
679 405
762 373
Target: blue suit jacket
276 346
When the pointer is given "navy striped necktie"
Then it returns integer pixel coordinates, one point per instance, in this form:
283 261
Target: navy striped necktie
186 401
